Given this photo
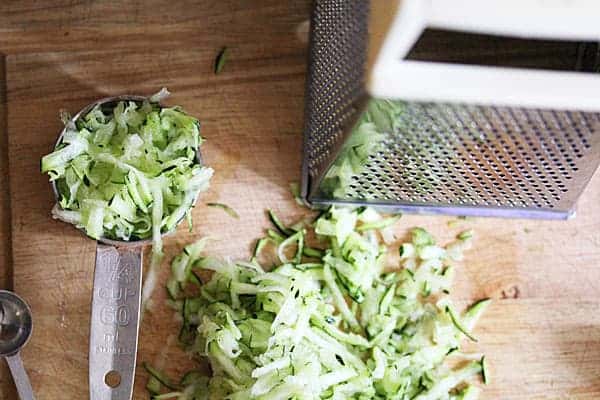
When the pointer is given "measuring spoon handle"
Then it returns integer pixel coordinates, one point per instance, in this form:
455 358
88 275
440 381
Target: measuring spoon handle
15 364
114 322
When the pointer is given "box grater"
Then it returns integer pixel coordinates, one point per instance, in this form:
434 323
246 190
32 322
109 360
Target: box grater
468 138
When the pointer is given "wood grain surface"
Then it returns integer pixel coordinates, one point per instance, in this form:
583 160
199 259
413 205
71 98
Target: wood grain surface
542 334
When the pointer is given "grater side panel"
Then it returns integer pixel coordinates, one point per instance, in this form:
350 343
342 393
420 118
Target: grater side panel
335 83
482 156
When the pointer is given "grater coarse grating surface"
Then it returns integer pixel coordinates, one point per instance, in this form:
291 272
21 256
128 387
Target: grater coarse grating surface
441 157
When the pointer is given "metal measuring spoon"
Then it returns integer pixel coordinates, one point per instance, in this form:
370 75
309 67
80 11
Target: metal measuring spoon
15 330
115 301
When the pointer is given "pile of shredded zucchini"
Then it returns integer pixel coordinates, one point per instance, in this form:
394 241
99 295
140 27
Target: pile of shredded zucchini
330 321
128 172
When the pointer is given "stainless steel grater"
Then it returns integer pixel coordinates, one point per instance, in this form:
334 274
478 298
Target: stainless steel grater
471 139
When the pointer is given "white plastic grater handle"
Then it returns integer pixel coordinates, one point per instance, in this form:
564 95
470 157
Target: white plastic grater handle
391 76
544 19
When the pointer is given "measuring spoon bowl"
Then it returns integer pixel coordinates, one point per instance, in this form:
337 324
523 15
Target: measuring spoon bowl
16 323
15 330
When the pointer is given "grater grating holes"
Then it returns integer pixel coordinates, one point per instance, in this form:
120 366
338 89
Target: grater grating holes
520 167
338 32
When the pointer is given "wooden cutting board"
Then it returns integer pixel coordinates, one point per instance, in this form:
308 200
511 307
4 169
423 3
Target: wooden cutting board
542 334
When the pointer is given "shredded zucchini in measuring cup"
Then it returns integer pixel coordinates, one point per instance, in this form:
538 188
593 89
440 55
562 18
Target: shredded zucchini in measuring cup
331 321
129 172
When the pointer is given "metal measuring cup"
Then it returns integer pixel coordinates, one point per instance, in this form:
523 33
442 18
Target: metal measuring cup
115 301
15 331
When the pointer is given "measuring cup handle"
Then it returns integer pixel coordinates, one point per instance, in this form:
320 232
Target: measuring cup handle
15 364
114 322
